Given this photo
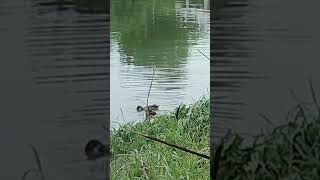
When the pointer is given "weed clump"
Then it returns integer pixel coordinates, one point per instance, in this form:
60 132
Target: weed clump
290 151
133 156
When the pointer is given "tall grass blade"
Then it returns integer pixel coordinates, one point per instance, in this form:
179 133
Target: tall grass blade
314 97
177 112
267 120
216 161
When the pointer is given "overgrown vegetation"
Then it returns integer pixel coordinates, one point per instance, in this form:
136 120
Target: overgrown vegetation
135 157
291 151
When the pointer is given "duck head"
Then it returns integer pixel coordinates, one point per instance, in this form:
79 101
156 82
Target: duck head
95 149
140 108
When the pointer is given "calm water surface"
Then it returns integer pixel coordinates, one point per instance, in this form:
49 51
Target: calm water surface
262 50
53 69
167 35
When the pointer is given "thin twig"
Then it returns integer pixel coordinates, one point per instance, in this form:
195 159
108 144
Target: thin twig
267 120
301 104
147 112
172 145
204 55
294 95
38 162
25 174
300 113
37 157
122 115
106 129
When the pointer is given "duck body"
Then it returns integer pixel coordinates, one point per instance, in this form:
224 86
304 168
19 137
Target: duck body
150 110
95 149
151 113
153 107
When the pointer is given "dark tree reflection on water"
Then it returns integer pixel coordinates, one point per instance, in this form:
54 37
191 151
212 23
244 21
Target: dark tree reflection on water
151 32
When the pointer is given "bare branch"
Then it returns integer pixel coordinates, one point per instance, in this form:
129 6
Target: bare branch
172 145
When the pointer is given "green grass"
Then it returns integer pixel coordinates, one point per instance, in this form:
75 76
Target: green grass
289 152
135 157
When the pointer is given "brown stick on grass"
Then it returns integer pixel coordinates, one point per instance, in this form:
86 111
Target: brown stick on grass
172 145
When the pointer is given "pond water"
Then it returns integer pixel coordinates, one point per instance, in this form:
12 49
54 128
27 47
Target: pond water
54 69
170 36
263 51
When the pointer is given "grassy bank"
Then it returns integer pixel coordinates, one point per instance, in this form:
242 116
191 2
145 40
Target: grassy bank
135 157
289 152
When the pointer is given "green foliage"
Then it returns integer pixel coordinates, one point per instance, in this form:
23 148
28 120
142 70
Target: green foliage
134 157
290 152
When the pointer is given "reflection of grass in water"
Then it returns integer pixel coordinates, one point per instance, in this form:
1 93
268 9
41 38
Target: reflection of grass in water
134 156
290 151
